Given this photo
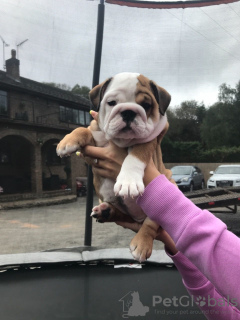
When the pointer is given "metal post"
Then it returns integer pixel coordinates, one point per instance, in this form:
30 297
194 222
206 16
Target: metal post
96 73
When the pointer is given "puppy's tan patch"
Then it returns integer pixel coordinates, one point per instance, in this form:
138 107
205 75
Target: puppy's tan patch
144 96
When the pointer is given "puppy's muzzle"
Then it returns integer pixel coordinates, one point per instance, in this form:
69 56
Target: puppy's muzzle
128 116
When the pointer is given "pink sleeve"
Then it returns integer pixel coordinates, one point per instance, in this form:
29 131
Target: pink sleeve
213 305
198 234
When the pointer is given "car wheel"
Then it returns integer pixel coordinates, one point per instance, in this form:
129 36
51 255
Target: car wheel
202 185
191 187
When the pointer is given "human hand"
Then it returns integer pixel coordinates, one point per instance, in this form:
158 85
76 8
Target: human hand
109 159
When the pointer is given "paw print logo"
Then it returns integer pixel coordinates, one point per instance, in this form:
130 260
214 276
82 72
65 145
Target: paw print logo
200 301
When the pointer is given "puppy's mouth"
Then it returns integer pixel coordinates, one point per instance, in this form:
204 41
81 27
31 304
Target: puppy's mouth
126 121
126 129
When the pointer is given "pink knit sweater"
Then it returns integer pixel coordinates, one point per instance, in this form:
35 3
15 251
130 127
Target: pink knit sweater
209 257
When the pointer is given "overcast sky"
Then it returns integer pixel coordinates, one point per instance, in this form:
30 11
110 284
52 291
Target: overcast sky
189 52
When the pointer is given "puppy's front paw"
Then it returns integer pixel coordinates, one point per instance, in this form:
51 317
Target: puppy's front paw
129 185
74 141
130 179
67 146
141 246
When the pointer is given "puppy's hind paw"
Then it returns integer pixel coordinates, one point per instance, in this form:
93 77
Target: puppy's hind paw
102 212
141 247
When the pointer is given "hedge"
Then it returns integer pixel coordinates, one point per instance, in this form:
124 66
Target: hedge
179 152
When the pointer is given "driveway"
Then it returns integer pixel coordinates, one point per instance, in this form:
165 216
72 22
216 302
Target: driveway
63 226
57 226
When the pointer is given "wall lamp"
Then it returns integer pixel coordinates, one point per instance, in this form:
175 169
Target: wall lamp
40 141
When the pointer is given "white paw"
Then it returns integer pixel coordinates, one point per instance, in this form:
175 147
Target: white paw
129 186
130 179
141 246
67 146
67 150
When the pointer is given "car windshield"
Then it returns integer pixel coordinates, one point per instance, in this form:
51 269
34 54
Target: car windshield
228 170
181 170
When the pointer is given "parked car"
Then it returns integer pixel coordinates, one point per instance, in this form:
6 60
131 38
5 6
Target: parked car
188 178
225 176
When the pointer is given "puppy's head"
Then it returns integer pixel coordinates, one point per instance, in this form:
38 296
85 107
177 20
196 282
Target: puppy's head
131 108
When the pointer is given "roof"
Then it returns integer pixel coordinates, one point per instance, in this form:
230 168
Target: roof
39 88
230 165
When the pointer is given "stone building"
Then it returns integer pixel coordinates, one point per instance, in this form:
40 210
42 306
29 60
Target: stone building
34 117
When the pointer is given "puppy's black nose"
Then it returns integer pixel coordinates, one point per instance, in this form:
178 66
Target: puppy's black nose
128 115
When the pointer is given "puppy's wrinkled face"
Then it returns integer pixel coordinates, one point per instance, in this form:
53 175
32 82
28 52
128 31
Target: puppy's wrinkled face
129 110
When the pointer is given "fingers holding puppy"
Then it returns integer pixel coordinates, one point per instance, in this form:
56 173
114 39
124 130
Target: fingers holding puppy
106 161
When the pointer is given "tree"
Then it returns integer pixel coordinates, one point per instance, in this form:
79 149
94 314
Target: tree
226 94
185 121
62 86
82 90
221 126
77 89
238 92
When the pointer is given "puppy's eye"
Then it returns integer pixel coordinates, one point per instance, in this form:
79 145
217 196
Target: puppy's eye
112 103
146 105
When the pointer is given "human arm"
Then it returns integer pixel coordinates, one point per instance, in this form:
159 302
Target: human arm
213 305
198 234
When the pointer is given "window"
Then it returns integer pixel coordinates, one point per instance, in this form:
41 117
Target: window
74 116
3 103
88 117
81 117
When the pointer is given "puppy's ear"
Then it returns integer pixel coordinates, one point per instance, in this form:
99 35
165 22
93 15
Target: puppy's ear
162 96
97 93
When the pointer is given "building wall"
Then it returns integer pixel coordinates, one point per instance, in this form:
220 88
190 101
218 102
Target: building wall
35 109
32 122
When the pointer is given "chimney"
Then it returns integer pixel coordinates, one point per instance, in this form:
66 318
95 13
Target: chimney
12 67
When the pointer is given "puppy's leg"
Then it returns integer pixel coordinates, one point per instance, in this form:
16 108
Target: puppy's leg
130 179
106 212
141 245
74 141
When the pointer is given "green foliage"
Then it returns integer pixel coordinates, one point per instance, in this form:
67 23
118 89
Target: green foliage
193 152
180 151
185 121
62 86
77 89
226 94
222 154
197 134
82 90
221 126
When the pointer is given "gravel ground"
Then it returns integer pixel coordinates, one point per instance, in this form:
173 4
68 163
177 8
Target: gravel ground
63 226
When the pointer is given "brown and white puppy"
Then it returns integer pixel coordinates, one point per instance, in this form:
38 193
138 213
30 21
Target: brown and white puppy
132 114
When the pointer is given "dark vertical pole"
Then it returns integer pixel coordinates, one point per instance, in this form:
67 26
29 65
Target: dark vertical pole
96 73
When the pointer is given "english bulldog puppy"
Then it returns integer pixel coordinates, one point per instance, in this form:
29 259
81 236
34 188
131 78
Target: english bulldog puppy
132 114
